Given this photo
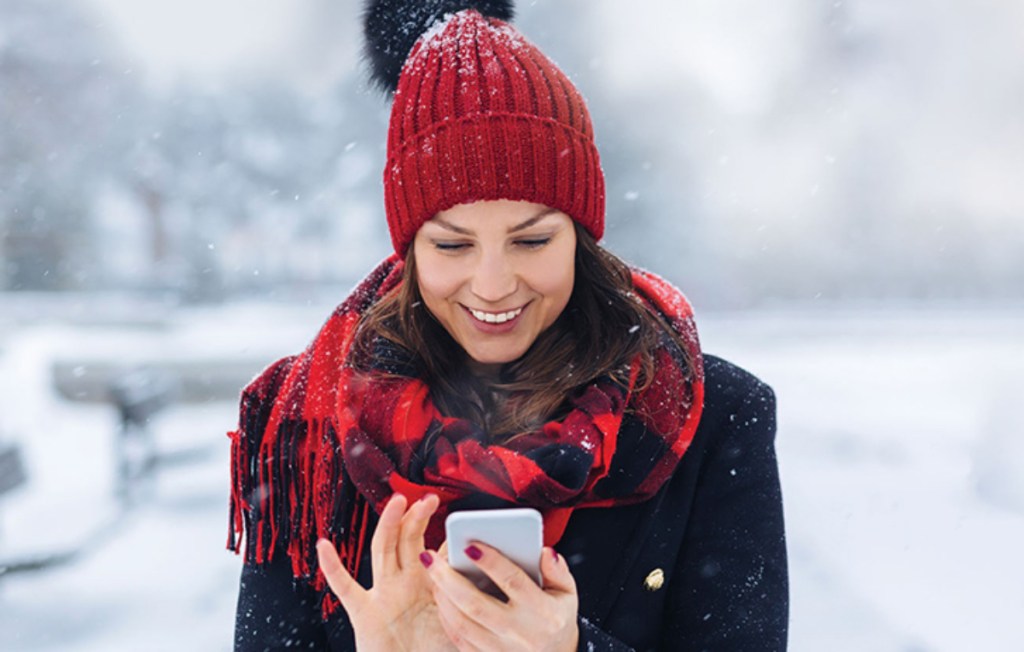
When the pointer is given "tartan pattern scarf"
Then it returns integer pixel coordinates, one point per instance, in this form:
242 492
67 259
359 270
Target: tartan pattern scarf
320 445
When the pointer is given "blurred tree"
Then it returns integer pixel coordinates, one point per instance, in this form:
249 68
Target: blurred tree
791 152
60 102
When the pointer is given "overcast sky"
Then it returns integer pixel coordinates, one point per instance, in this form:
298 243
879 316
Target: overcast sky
168 38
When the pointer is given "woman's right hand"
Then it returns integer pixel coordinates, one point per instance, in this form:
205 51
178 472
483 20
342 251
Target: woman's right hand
399 612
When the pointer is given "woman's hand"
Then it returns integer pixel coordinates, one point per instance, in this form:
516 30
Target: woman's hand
398 613
532 619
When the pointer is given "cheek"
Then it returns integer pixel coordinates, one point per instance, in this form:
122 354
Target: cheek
555 280
435 284
565 290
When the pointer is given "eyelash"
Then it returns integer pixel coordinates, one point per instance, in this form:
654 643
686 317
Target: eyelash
531 243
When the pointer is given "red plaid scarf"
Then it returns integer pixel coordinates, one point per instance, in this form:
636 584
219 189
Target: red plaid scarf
319 445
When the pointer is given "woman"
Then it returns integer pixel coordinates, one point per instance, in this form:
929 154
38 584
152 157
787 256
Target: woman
502 358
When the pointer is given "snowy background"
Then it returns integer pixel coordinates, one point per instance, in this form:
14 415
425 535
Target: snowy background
189 187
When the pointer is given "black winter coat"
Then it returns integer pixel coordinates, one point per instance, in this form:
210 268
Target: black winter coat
715 533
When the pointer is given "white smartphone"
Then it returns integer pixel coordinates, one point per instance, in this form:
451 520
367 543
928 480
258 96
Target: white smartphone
517 532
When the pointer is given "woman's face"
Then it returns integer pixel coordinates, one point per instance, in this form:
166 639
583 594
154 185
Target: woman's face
496 274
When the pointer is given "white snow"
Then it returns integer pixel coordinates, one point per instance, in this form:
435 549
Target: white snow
884 420
899 444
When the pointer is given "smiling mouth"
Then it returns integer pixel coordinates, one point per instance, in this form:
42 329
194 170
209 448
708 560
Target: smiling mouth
495 317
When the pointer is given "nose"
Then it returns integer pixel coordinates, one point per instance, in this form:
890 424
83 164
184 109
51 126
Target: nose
494 278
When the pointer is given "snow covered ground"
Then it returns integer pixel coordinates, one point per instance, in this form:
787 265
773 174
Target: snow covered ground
901 442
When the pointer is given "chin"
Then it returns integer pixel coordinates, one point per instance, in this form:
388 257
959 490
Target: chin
491 359
496 358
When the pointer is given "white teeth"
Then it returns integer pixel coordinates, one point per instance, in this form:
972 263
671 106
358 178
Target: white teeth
492 318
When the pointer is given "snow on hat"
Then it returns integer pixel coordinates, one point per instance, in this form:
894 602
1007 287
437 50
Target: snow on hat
479 113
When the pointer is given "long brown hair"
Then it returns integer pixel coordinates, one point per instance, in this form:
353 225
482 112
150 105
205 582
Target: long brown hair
603 328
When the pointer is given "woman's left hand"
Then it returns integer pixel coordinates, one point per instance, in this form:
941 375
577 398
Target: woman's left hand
532 619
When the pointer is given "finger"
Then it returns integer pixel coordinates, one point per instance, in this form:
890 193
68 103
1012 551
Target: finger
414 525
383 546
505 573
348 591
466 634
479 607
446 624
555 571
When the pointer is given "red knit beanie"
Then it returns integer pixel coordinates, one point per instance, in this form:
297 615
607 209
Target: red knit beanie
480 113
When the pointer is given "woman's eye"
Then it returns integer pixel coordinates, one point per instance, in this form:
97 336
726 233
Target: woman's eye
533 243
450 246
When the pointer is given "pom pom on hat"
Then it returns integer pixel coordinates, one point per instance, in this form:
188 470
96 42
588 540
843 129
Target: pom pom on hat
392 27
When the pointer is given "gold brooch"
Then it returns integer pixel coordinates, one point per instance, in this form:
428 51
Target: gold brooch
655 579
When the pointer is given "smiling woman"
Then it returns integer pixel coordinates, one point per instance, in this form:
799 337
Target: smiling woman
503 358
496 274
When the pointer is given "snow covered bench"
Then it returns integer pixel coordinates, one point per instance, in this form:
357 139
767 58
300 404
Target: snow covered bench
138 396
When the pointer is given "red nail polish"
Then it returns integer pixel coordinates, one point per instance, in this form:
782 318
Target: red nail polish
474 553
426 559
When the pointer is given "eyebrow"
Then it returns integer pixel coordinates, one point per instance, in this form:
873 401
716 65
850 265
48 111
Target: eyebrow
518 227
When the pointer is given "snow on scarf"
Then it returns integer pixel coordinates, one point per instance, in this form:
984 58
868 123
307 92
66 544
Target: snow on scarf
320 445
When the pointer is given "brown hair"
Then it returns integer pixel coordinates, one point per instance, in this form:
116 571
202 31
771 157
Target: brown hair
603 328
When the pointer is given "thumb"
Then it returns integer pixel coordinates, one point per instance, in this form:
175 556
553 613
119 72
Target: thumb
555 571
348 591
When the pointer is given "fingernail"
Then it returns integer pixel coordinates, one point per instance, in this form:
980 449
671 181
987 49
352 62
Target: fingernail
554 555
426 559
474 553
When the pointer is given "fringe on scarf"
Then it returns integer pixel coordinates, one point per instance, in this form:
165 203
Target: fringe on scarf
290 490
289 487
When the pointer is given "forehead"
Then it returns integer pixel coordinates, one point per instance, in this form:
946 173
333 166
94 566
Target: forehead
500 215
